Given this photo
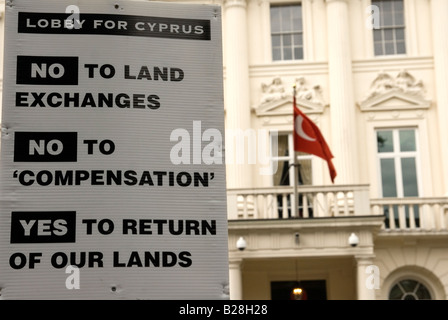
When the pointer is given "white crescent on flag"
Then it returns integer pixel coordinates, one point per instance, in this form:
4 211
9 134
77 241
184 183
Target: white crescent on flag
299 129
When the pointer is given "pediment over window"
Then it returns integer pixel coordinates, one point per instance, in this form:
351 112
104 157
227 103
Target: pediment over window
283 106
394 100
402 92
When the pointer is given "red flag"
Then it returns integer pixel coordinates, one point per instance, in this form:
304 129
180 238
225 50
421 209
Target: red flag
307 138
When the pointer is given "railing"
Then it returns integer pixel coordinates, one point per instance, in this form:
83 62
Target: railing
430 214
312 201
403 214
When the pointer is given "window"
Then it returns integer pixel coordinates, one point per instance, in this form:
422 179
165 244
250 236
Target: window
284 161
389 39
409 290
397 153
287 32
398 161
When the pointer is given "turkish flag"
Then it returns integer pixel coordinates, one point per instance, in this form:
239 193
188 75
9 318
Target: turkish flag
308 139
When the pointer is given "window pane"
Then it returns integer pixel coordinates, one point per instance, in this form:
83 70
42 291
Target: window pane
407 140
401 48
388 35
408 285
281 177
276 54
298 53
276 42
386 6
286 19
305 174
398 5
395 293
399 34
287 53
399 19
379 49
389 48
387 19
298 39
377 35
296 21
388 178
423 293
275 19
287 40
385 141
409 173
282 146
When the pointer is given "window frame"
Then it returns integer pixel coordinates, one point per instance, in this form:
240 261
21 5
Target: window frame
290 158
420 282
397 155
299 32
394 27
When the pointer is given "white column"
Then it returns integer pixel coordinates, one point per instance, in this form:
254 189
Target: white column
439 15
236 99
365 288
235 280
343 142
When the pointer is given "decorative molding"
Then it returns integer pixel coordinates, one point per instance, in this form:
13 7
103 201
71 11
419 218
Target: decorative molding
403 92
276 101
234 3
273 91
283 107
304 93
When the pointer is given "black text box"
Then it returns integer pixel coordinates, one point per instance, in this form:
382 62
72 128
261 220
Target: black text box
43 226
45 146
47 70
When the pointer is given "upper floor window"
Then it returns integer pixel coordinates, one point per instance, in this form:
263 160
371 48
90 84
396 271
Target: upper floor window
389 39
286 32
398 162
284 161
398 155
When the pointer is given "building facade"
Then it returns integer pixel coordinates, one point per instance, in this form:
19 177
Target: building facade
373 76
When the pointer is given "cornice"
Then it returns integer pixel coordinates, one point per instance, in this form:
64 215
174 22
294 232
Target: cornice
234 3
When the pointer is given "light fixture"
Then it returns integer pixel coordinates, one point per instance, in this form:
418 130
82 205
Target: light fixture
298 293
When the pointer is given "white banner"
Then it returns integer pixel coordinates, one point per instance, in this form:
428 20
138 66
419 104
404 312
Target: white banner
112 172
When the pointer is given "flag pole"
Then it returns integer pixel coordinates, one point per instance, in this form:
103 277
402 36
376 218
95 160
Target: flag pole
295 202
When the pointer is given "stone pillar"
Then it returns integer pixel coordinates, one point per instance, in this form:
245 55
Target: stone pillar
367 280
439 19
343 142
235 280
236 98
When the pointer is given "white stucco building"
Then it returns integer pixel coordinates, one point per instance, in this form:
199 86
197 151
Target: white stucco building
379 93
